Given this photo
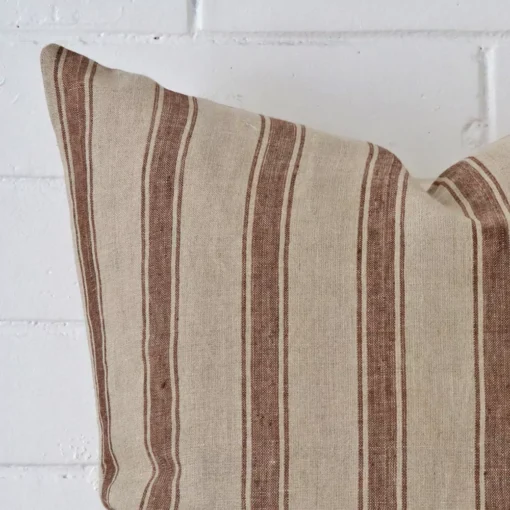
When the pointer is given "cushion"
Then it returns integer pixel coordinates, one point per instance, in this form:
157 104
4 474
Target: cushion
281 319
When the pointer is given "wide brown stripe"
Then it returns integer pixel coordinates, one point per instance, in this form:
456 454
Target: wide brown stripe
496 329
474 234
73 118
403 366
265 316
162 183
359 320
381 333
243 310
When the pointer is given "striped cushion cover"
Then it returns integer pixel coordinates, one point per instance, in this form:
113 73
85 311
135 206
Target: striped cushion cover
280 319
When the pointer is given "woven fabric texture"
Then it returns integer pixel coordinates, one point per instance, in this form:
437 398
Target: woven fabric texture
280 319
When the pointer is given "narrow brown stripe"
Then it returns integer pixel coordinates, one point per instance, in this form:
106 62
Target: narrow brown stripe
359 340
243 309
496 329
286 320
381 333
265 316
74 110
474 235
403 376
143 209
163 168
177 296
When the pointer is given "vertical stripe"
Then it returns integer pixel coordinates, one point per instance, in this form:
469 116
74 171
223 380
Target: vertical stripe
381 333
402 326
210 352
322 323
247 313
498 191
493 183
163 200
481 412
378 330
244 310
400 372
477 337
90 198
145 198
74 104
183 153
361 316
494 350
266 320
284 317
118 193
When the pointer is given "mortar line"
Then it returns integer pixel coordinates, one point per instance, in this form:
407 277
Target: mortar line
23 177
48 466
486 110
248 37
490 92
192 16
328 37
41 322
482 93
196 17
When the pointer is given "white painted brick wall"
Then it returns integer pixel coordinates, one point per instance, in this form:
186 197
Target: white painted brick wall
427 79
355 15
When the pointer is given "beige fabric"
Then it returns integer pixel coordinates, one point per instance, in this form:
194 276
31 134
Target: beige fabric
212 350
279 319
441 393
123 318
323 384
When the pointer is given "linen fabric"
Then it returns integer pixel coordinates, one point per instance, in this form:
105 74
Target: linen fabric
280 319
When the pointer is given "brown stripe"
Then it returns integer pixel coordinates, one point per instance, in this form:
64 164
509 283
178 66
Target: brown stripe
403 372
286 321
144 283
496 329
491 176
474 234
243 309
364 186
96 261
381 333
433 187
163 168
265 316
74 110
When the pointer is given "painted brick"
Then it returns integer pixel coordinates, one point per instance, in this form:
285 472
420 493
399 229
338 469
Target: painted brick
99 15
37 269
47 408
416 96
499 101
353 15
49 488
424 96
28 144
